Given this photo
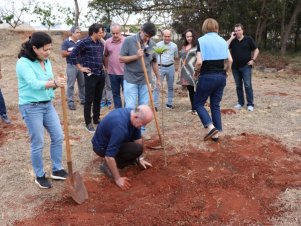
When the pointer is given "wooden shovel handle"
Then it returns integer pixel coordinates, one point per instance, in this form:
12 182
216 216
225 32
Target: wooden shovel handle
150 95
66 132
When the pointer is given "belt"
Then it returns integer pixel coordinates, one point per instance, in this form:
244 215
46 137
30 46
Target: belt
166 65
41 102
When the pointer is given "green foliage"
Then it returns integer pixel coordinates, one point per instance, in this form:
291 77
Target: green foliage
50 15
160 49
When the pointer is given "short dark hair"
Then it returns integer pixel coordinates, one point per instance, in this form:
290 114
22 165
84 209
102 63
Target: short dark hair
239 25
94 28
194 37
149 28
37 39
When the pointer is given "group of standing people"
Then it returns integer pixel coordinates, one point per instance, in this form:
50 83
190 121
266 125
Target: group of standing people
204 65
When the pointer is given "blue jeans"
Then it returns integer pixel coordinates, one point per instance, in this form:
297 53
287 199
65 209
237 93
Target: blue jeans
210 85
74 74
244 75
116 83
37 117
2 105
134 91
169 72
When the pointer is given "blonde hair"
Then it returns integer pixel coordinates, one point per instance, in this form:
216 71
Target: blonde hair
210 25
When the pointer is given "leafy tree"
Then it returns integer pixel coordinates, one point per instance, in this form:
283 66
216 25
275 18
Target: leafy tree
13 14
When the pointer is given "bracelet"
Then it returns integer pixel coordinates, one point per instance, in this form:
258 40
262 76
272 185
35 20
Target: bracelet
55 83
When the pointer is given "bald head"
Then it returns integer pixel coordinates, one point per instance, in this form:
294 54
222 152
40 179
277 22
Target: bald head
141 116
166 36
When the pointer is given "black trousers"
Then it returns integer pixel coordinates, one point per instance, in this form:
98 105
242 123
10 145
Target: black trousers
128 153
191 95
93 92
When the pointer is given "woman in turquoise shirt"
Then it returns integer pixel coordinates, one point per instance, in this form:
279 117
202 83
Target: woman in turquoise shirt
36 86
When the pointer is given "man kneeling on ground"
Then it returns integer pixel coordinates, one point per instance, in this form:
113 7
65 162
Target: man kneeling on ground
118 140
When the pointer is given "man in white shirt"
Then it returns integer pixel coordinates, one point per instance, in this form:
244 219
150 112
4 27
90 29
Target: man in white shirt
167 68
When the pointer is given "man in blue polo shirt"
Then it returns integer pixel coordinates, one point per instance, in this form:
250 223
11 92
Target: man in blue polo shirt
73 73
88 58
118 140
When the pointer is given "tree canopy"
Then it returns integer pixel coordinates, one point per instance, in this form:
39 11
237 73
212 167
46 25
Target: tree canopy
274 24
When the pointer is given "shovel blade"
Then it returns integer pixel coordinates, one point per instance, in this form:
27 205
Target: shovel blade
77 189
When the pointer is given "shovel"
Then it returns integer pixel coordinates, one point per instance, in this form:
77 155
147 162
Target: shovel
151 98
76 186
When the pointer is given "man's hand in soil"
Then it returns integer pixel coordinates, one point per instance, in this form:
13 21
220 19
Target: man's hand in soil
144 164
123 183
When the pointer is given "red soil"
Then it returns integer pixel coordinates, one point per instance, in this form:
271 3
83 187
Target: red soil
236 181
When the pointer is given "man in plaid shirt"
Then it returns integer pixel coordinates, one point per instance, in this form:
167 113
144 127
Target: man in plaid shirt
88 58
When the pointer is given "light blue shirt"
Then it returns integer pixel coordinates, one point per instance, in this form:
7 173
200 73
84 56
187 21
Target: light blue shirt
168 57
213 47
32 80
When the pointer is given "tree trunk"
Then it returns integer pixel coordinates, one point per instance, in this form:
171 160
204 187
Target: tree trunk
259 24
77 12
287 29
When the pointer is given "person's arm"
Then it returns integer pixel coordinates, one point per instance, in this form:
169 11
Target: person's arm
25 71
65 50
125 56
199 61
155 67
128 59
106 57
112 150
229 62
142 162
122 182
231 38
255 55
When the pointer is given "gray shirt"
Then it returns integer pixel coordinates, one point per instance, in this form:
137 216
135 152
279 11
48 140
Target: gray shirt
168 57
133 71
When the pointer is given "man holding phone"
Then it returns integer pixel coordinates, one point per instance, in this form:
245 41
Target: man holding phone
244 53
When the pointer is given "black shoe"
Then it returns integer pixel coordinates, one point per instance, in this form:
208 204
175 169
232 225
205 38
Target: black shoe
169 106
211 134
59 175
72 107
5 119
90 128
43 182
215 139
97 122
105 169
156 109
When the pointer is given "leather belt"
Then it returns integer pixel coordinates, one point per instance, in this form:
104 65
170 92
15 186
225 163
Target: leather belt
166 65
41 102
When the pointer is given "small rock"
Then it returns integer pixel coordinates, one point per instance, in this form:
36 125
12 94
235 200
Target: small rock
270 70
210 169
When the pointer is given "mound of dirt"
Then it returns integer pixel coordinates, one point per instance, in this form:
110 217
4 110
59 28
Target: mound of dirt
236 182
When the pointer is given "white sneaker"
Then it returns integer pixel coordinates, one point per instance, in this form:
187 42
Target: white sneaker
238 106
250 108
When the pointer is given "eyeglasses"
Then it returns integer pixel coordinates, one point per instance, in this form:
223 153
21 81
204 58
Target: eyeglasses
146 35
